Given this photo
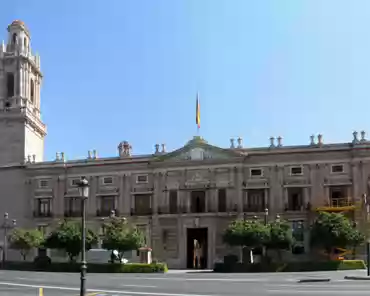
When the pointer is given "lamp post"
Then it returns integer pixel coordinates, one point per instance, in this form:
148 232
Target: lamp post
266 215
367 207
6 226
83 188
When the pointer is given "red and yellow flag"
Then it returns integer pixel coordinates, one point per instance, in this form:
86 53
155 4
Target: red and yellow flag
197 115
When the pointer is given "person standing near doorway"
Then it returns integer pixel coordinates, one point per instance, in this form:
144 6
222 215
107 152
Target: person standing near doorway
197 254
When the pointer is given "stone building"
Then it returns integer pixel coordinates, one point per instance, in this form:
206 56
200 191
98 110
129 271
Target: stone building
174 197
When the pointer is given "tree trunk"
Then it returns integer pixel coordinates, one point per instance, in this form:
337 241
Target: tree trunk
279 255
354 252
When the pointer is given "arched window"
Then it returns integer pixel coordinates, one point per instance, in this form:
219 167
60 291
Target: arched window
32 91
25 43
10 84
15 38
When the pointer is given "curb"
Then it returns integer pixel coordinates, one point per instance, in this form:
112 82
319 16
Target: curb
358 278
313 280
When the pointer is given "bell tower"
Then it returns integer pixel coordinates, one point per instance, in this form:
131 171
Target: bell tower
22 132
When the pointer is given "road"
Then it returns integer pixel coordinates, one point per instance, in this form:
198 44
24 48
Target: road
17 283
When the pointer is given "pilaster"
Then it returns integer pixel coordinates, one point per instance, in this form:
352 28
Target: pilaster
239 178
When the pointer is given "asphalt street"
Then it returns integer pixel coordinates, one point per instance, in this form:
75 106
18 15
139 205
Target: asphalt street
180 283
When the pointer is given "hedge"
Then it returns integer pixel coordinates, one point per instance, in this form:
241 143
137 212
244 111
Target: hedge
291 266
91 267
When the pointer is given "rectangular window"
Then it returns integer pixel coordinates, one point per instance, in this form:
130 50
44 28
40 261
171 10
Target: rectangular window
43 183
74 182
173 201
43 207
337 168
72 207
296 171
256 172
143 204
142 179
255 201
107 180
10 84
222 200
107 205
295 199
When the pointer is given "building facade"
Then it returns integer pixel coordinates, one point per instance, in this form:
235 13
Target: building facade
174 197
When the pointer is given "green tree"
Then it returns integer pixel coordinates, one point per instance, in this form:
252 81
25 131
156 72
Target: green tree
246 234
67 237
119 236
24 240
330 231
357 239
280 238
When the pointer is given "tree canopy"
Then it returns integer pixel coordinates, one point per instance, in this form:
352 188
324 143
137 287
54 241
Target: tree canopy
332 230
118 235
67 237
24 240
245 233
281 236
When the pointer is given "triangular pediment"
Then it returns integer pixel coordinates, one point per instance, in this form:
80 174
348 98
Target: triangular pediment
198 149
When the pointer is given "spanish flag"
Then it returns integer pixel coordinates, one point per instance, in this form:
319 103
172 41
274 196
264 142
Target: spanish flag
197 115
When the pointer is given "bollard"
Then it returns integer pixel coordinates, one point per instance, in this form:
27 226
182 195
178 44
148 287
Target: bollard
41 292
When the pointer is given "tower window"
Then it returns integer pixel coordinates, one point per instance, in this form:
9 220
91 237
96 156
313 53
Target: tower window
32 91
10 84
25 42
14 39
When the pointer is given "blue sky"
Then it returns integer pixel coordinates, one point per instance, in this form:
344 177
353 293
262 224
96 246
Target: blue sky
119 70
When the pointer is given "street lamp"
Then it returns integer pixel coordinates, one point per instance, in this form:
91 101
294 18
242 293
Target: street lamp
367 206
266 215
83 188
6 226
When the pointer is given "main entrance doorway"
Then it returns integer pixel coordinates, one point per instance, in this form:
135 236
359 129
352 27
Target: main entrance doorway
197 248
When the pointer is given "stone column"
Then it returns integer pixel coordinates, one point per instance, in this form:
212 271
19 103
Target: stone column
156 192
119 198
245 200
363 179
92 203
286 198
181 200
37 91
62 190
355 185
57 207
239 178
214 198
20 73
265 197
213 191
305 197
187 196
212 245
327 194
207 197
24 89
277 188
181 241
127 197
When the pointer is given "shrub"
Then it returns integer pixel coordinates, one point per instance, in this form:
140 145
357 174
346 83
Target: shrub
325 265
291 266
92 267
